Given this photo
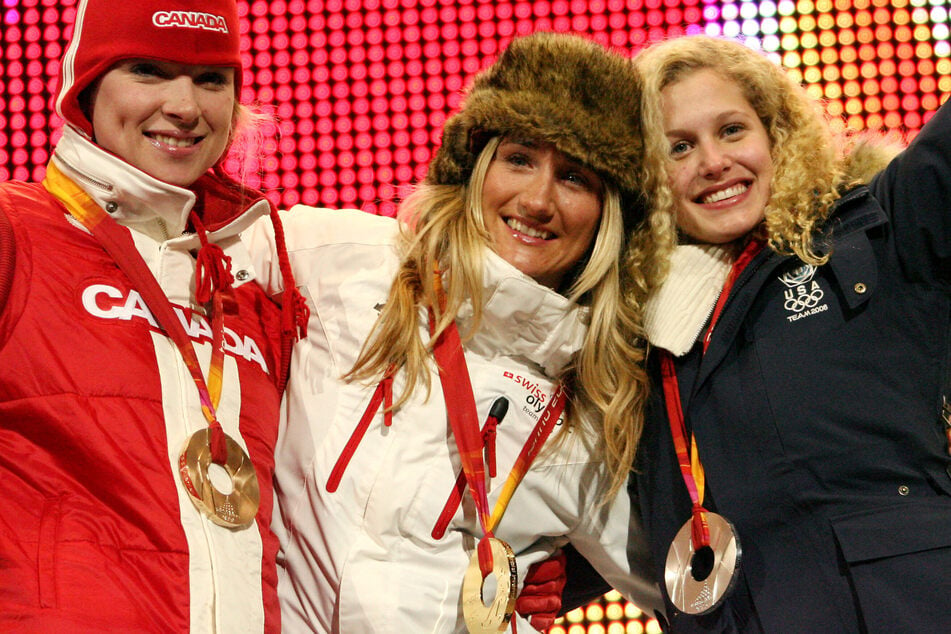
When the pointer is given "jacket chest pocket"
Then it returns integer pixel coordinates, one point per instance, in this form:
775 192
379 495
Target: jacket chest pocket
805 303
896 559
858 378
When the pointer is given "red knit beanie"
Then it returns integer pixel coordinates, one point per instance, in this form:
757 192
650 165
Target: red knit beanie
200 32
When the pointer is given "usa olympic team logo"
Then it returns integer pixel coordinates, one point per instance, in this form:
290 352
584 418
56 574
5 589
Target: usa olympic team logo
803 295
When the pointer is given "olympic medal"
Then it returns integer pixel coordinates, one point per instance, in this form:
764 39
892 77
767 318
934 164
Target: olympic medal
494 617
699 580
234 509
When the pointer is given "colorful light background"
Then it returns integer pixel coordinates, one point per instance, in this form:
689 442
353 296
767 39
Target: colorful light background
359 89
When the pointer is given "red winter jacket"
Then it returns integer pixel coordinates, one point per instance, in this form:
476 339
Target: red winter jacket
96 532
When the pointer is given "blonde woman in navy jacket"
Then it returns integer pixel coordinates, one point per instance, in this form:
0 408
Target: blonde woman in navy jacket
816 407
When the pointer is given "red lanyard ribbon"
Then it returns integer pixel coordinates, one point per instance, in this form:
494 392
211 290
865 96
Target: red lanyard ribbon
464 421
212 277
382 395
689 459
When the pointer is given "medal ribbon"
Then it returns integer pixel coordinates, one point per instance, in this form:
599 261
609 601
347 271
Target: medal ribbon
464 421
690 466
383 394
212 277
536 440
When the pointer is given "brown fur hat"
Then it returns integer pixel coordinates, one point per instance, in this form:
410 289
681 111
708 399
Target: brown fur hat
559 88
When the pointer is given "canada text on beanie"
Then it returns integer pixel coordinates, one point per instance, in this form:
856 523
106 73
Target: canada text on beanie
200 32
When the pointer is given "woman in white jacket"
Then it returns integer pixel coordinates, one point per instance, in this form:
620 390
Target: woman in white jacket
440 349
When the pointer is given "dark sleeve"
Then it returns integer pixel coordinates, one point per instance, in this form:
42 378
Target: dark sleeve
584 584
915 192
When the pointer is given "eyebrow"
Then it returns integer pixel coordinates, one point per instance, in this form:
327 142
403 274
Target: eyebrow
532 143
720 119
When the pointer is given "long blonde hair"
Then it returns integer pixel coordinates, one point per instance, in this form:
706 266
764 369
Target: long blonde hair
445 231
806 154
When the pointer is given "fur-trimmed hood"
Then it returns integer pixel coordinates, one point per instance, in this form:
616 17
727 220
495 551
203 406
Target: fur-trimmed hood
868 155
559 88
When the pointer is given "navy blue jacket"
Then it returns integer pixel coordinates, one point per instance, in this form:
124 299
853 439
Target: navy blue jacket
817 415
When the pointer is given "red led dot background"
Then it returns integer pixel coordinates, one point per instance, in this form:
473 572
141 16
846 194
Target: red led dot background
358 90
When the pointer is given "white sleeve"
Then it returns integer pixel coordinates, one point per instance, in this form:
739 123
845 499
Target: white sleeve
305 229
612 538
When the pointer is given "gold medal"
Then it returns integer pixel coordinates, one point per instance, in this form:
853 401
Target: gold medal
231 510
698 580
482 618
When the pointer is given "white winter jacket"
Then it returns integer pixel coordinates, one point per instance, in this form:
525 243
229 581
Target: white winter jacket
363 558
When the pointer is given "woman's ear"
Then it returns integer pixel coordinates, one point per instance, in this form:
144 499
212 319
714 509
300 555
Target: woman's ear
87 100
238 116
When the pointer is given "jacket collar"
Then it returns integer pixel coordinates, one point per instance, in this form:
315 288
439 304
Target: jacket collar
523 318
676 312
853 259
135 199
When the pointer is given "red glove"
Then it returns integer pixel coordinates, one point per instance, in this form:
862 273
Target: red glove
540 599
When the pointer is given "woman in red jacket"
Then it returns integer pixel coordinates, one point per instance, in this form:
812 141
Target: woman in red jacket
140 366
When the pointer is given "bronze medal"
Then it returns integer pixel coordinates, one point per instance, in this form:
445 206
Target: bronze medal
698 580
231 510
487 619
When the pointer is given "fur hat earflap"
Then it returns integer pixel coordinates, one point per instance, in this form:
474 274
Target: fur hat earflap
560 88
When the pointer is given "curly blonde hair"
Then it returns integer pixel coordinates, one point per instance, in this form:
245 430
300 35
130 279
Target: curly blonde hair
807 161
444 230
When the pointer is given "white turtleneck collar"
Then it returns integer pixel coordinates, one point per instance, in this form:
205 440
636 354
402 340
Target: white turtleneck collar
132 197
675 313
524 318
